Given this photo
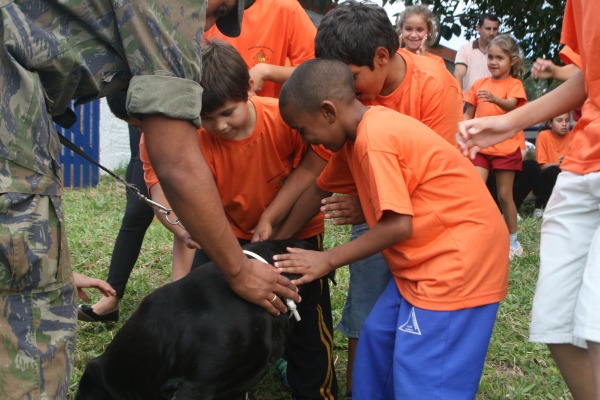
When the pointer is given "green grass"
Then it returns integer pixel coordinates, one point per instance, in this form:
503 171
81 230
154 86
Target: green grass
515 368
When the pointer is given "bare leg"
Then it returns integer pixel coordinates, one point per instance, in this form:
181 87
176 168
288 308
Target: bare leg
594 354
575 368
504 186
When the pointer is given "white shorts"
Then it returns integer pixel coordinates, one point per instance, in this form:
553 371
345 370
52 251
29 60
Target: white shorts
567 297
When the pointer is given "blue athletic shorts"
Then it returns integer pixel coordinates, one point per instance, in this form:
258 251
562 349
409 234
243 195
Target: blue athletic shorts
406 352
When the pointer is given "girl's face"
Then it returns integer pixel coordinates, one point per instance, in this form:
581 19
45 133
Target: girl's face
499 62
560 125
414 31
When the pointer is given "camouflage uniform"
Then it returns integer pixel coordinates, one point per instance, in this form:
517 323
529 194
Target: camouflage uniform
51 53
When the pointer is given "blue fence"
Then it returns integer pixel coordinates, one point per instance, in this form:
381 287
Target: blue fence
85 133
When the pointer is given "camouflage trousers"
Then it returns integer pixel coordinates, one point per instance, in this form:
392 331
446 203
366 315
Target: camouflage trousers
37 299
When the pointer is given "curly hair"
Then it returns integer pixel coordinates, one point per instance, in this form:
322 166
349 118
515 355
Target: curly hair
509 45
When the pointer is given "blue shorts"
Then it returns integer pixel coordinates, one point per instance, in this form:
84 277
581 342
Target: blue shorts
368 278
406 352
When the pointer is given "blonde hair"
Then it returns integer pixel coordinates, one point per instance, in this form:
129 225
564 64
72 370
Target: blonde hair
423 11
507 44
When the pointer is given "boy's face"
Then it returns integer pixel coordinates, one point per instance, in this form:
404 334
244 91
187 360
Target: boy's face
231 121
317 128
368 83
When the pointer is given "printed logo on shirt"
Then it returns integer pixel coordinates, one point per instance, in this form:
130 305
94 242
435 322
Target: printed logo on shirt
260 54
411 325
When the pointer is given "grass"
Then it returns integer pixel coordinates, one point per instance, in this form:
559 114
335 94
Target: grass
514 369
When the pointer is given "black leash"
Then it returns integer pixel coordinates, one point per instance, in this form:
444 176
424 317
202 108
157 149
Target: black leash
128 186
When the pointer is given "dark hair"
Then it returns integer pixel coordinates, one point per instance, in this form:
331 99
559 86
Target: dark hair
225 75
314 81
117 104
489 16
353 31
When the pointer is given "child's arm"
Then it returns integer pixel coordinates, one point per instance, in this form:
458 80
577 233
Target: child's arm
480 133
505 104
263 72
546 69
301 178
470 112
391 229
183 255
304 209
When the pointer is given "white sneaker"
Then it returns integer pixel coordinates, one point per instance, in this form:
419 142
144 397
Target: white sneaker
538 213
515 252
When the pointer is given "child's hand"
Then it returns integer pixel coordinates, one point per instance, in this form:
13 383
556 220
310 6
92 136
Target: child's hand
486 95
343 210
259 75
189 242
310 264
476 134
262 231
83 281
543 69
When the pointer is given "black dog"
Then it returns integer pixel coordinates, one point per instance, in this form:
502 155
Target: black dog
192 339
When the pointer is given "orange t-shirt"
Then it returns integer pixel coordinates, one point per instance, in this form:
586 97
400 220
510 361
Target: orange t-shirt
428 93
457 255
436 58
273 31
504 88
581 32
250 172
569 56
550 147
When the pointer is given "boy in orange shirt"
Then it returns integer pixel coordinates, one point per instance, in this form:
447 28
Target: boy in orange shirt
361 35
250 152
276 36
426 209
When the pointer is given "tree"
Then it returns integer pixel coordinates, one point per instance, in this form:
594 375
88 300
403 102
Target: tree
536 24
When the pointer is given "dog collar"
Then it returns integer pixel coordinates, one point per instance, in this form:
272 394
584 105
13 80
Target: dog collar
290 303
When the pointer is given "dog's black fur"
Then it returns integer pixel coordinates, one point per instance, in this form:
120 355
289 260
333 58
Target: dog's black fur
192 339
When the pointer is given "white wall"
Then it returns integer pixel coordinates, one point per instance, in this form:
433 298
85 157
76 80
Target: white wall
114 139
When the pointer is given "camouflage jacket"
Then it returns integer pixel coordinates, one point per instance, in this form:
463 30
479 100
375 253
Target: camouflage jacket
53 51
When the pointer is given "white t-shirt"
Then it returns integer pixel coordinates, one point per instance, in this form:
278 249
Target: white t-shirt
475 60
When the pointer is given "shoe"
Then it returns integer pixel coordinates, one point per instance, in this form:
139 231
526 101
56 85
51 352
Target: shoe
538 213
515 252
281 368
86 313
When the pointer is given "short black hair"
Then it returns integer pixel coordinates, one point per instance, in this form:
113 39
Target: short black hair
489 16
352 32
314 81
225 75
117 103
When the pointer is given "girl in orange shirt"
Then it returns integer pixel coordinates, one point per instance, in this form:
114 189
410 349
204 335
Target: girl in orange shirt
496 95
551 146
417 27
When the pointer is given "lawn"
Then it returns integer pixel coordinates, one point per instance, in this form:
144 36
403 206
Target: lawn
515 368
